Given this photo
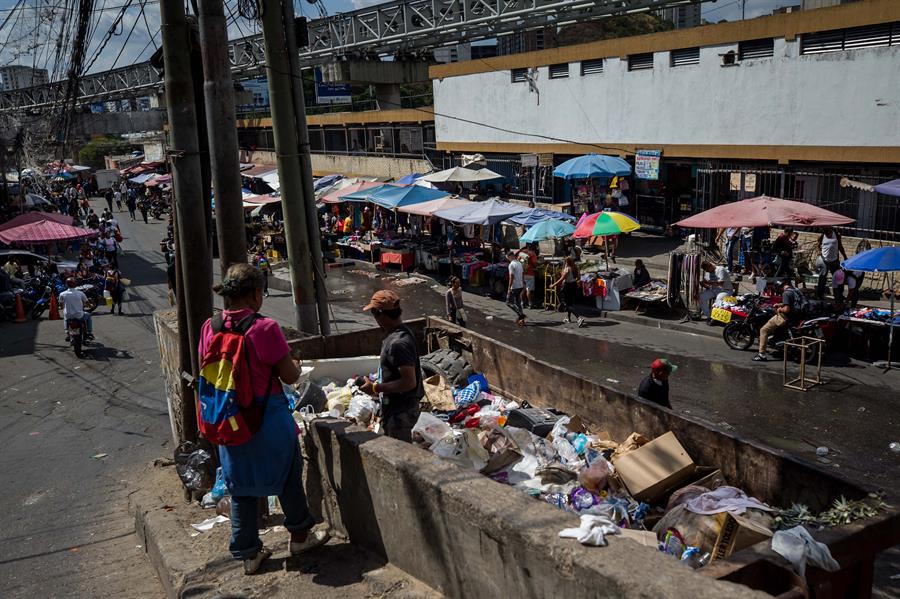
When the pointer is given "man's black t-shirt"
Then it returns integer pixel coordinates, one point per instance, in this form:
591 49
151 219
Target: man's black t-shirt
655 391
796 301
399 349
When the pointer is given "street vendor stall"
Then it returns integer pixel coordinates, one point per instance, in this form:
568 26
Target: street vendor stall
883 259
583 174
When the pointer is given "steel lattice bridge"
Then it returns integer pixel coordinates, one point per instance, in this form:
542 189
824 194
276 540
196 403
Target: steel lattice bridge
392 27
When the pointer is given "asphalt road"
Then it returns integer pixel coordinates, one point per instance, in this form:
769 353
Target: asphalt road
65 524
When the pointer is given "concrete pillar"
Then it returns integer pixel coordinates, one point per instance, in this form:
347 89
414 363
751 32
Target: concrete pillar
387 95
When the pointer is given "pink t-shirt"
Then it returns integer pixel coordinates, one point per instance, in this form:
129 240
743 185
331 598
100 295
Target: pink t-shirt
267 347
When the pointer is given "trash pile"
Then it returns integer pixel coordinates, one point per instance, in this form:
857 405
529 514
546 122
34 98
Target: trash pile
649 490
876 314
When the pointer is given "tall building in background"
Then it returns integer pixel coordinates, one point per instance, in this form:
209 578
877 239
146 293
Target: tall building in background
682 16
527 41
18 76
462 52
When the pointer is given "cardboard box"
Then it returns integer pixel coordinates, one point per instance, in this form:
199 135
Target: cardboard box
737 533
655 468
709 477
641 537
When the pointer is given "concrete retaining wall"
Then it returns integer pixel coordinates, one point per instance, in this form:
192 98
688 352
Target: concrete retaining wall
468 536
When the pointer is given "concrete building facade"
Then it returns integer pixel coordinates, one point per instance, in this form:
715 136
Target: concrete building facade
19 77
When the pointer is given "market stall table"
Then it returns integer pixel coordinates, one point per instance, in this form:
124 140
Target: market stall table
405 258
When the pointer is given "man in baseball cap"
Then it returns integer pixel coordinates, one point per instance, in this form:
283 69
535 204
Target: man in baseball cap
399 383
655 387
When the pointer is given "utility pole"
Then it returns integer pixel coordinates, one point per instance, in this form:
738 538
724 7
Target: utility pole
309 194
221 126
195 282
285 132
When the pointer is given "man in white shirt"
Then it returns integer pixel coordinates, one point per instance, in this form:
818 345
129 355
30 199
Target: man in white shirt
73 302
717 281
516 287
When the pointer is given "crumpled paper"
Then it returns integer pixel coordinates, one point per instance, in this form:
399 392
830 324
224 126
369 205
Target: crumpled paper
797 546
593 531
207 524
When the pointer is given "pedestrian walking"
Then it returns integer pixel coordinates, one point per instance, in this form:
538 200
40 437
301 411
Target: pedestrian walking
262 263
269 463
655 387
108 196
131 203
113 284
117 196
456 309
111 247
142 207
568 281
516 288
829 261
400 385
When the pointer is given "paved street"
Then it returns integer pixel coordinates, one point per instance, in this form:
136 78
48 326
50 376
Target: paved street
66 526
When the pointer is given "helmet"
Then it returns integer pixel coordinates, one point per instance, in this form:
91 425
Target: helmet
70 282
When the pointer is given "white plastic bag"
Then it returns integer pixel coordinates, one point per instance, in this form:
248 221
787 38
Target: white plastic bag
463 449
798 547
361 409
431 428
339 400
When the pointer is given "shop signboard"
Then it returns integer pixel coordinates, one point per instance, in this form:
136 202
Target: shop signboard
545 159
529 160
646 164
331 93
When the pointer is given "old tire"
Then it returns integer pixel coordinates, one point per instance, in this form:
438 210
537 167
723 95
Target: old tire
450 365
311 395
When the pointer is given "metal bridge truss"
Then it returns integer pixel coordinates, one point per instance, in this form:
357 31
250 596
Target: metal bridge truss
390 28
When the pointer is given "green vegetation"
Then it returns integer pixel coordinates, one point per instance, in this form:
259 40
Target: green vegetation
92 153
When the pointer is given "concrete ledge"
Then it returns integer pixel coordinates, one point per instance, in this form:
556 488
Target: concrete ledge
468 536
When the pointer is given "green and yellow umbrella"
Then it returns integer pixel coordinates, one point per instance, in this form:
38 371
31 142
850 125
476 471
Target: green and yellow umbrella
605 223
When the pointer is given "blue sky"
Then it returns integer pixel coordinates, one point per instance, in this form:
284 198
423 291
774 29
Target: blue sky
29 35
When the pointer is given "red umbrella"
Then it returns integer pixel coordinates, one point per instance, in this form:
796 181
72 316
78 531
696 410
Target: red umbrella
43 232
764 211
33 217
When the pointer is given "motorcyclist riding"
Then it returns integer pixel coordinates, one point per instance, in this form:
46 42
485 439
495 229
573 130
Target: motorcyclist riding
73 302
788 312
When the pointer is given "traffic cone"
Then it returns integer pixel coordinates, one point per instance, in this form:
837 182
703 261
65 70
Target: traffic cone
54 308
20 309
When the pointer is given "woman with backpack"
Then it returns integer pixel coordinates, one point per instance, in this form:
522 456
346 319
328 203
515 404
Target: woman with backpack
265 460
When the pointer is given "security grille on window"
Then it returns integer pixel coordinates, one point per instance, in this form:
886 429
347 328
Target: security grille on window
764 48
591 67
559 71
519 75
640 62
854 38
685 56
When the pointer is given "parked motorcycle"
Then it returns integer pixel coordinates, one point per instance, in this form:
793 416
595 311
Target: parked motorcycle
741 334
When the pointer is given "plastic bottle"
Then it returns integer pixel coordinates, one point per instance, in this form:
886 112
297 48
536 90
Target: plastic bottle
559 500
821 451
895 447
580 443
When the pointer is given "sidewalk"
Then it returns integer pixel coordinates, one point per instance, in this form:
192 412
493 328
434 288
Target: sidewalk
197 564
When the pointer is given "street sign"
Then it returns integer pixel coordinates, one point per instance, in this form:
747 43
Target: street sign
646 164
331 93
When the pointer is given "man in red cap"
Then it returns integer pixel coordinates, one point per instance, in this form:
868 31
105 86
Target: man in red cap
655 387
399 381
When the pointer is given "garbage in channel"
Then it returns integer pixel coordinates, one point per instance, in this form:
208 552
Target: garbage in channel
648 490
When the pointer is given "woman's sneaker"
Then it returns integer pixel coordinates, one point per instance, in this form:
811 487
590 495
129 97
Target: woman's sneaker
251 566
315 538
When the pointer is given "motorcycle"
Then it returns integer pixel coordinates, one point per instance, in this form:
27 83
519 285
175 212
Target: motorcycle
41 302
740 334
77 335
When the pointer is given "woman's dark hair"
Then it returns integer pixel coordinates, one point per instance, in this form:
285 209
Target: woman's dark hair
240 280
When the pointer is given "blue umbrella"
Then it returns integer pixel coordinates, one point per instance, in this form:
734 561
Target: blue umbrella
891 188
547 229
490 212
364 194
592 165
883 259
533 216
392 197
409 179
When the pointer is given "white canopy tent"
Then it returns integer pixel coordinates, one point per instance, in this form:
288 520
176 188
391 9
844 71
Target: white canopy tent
460 174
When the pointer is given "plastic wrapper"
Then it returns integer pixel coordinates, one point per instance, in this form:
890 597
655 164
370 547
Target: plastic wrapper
361 410
430 428
339 400
195 466
462 448
219 489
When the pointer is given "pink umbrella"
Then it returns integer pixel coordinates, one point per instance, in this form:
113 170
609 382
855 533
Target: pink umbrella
44 231
335 196
33 217
764 211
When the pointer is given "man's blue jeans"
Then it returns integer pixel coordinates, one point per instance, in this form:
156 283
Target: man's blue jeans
245 540
729 251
